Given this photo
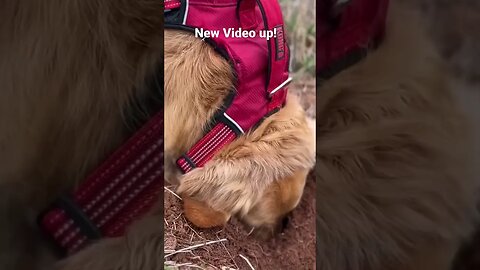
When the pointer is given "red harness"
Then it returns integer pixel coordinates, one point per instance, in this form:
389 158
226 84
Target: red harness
346 31
261 65
130 181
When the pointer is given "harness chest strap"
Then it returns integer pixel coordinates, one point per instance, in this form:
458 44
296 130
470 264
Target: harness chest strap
123 188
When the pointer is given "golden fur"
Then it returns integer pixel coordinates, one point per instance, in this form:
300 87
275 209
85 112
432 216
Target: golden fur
247 177
72 76
395 190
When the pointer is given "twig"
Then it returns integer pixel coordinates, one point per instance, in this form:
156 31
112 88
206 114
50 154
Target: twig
195 266
195 231
173 193
194 247
230 255
179 215
188 265
245 258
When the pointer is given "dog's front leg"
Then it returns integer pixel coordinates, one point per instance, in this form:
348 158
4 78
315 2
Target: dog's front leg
140 249
234 180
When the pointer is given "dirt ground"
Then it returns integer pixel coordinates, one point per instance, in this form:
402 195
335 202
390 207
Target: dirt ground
293 249
231 247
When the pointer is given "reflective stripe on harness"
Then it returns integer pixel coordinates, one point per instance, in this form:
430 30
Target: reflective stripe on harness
123 188
206 148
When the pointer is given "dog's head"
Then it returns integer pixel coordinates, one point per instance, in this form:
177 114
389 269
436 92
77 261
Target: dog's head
270 215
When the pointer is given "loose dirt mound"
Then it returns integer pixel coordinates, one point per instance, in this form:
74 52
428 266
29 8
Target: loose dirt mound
293 249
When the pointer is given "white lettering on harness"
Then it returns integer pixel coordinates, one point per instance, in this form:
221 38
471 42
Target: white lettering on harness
200 33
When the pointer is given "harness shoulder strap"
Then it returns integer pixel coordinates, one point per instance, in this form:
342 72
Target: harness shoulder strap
279 55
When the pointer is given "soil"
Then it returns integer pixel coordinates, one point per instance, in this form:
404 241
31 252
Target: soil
294 248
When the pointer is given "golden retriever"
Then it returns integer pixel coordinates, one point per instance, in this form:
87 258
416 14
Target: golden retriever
260 176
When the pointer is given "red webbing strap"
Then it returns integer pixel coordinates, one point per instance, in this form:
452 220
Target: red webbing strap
172 4
123 188
206 148
279 54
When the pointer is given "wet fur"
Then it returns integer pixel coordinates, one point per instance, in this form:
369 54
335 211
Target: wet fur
241 178
72 76
395 189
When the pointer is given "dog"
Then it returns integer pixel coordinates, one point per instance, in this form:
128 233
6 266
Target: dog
73 89
394 182
260 176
